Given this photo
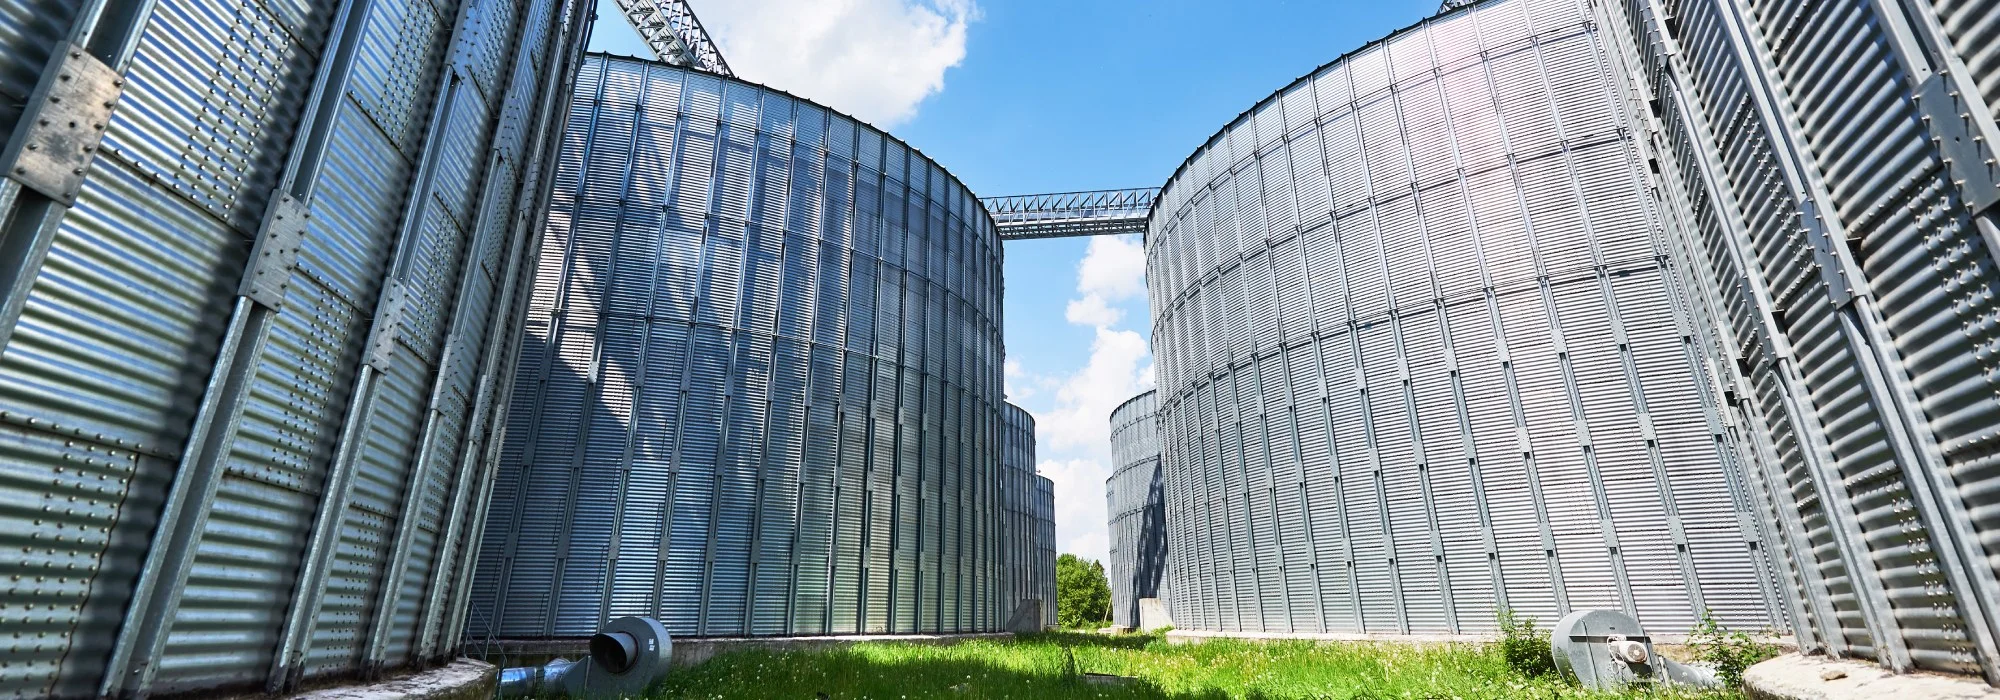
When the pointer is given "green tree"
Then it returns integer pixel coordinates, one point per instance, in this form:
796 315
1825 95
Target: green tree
1083 594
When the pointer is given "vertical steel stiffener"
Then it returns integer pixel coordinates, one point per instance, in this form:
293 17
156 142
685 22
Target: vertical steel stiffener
760 386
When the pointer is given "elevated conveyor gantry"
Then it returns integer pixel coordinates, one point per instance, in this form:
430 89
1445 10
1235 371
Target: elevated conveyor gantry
1064 214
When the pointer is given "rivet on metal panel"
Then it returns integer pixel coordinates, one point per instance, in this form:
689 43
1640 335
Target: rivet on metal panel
1840 290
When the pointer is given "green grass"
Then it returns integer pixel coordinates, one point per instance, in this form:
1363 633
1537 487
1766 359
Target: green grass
1037 666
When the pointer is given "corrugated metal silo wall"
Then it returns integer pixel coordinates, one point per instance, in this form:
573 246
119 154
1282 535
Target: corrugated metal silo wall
1020 556
1834 164
1421 358
247 375
1042 570
760 385
1136 502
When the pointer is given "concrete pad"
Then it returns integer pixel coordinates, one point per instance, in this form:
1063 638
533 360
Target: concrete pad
688 651
1153 615
1180 636
464 679
1796 677
1671 644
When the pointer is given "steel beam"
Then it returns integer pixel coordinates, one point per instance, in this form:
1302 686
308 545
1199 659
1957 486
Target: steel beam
385 333
674 33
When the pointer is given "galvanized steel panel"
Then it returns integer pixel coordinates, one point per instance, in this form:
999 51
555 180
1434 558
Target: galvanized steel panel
1804 141
210 425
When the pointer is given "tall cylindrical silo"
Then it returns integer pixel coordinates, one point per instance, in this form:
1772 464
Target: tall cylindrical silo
1020 529
1042 570
1835 166
1421 356
1135 501
251 331
760 388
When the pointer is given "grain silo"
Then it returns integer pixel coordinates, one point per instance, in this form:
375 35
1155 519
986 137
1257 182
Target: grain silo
1042 569
1135 502
1421 355
1027 570
759 391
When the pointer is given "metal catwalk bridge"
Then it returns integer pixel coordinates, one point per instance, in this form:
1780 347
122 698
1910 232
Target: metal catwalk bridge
1062 214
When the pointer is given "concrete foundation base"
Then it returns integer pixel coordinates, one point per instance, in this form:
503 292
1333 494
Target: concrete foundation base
1153 615
689 651
1669 644
1795 677
1180 636
464 679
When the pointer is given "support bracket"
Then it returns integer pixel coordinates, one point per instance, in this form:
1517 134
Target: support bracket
1840 289
276 252
53 145
388 325
1968 156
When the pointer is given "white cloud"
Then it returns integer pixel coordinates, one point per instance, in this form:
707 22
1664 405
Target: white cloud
1021 386
1119 368
1113 270
875 59
1091 310
1081 527
1114 267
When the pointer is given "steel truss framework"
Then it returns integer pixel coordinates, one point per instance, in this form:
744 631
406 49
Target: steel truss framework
1063 214
670 27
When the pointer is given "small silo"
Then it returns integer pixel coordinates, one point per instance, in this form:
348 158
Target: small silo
1135 502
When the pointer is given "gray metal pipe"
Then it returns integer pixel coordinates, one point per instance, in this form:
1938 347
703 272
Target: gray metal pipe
530 681
628 656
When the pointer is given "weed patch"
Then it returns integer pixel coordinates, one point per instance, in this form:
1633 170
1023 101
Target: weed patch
1053 665
1524 646
1731 652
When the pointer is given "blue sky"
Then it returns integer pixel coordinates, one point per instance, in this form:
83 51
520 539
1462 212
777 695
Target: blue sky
1026 96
